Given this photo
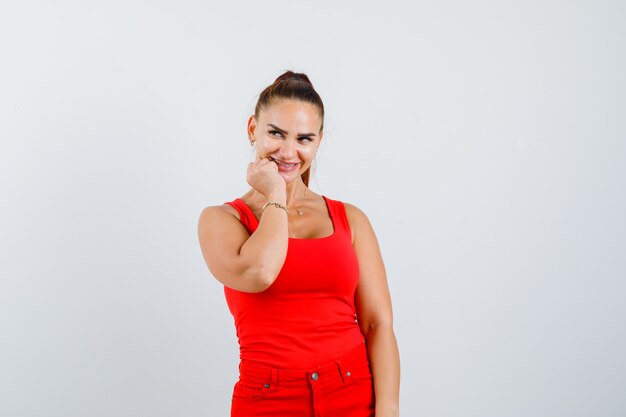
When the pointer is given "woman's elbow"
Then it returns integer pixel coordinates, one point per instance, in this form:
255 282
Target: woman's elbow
372 327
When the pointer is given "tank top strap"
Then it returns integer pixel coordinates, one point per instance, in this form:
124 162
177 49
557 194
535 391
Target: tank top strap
338 211
246 216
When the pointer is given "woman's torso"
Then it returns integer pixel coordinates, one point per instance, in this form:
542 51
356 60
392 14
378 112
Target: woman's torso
307 316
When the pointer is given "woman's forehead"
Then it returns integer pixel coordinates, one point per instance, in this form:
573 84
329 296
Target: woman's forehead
291 114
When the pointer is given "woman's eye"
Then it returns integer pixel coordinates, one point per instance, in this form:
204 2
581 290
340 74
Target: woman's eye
273 132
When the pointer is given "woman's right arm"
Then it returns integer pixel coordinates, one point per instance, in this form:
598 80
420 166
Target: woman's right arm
244 262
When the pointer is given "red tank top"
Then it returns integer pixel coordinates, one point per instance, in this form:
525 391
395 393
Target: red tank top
307 316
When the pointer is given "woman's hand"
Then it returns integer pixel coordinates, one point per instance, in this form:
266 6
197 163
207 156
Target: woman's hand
263 176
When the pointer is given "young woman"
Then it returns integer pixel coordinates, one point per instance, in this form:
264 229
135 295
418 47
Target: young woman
303 277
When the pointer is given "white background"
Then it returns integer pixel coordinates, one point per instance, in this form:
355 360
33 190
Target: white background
484 140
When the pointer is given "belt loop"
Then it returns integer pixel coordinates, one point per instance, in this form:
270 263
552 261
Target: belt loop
270 386
340 369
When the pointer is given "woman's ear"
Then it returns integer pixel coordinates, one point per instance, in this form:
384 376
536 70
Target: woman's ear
251 127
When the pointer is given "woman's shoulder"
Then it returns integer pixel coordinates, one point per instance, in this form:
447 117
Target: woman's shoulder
219 211
355 216
352 211
361 228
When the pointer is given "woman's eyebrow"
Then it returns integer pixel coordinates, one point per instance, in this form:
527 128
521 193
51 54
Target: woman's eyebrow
284 132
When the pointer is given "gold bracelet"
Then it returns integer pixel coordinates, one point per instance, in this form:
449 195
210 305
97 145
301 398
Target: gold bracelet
273 203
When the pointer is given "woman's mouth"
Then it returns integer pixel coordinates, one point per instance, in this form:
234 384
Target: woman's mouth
284 166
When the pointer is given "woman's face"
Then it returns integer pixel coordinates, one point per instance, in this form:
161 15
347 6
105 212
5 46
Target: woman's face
287 132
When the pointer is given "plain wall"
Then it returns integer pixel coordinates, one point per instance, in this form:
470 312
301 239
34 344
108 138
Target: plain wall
484 140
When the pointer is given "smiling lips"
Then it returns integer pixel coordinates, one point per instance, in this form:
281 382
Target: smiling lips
283 166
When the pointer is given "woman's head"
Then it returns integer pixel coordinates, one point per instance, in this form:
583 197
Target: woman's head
288 124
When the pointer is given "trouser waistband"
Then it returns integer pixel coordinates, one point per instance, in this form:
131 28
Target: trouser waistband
338 369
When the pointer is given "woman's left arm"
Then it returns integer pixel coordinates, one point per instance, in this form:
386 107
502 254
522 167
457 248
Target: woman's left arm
374 314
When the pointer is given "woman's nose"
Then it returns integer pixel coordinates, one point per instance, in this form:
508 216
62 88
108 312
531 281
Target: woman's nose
288 148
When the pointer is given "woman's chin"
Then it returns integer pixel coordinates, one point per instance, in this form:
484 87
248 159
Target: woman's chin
289 176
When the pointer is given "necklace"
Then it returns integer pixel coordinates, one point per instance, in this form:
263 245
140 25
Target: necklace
299 210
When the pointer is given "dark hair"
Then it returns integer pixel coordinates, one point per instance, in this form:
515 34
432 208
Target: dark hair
295 86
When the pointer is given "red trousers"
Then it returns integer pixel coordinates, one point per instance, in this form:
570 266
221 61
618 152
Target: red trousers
341 388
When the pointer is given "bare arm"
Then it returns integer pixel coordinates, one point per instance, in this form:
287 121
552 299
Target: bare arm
374 314
241 261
